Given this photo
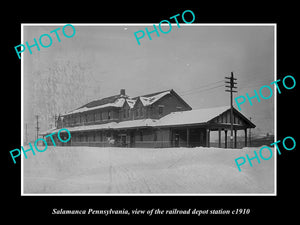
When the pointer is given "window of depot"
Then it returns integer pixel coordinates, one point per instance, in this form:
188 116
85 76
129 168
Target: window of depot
160 110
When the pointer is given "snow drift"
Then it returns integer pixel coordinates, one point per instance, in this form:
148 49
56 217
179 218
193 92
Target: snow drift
80 170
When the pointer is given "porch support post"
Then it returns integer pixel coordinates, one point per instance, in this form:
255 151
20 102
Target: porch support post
207 137
225 138
245 137
235 138
187 137
219 137
172 138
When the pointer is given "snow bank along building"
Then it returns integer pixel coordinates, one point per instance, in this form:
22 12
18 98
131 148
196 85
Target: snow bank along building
161 119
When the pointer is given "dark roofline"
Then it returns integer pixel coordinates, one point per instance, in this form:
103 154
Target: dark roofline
156 93
171 91
105 100
112 98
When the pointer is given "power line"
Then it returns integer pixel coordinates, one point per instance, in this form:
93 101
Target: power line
196 90
199 91
202 86
257 84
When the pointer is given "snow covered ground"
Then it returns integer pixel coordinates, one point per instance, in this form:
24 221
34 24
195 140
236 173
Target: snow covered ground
81 170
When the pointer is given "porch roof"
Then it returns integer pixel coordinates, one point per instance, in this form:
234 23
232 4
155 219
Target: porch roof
174 119
195 116
201 116
105 126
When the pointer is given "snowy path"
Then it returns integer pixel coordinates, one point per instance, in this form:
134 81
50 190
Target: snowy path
152 171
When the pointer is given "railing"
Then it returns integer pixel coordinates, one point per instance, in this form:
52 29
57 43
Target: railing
89 123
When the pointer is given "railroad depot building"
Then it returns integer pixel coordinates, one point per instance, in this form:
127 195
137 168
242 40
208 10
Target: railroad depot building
161 119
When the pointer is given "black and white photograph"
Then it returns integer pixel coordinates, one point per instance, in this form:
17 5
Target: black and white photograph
149 112
159 118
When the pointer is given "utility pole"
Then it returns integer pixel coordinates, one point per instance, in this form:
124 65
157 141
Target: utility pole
37 126
230 80
55 121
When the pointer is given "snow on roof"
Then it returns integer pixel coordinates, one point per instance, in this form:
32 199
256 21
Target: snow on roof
131 102
93 127
111 125
192 116
196 116
150 100
87 127
117 103
135 123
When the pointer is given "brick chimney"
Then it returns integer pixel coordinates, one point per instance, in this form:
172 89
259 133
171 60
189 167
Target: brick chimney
122 92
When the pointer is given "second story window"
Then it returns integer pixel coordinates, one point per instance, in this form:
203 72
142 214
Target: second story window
141 111
150 112
160 110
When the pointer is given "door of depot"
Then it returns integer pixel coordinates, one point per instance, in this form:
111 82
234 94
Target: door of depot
123 140
132 140
177 140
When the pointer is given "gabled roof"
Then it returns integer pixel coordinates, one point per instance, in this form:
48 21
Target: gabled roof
131 102
119 100
103 101
197 116
149 100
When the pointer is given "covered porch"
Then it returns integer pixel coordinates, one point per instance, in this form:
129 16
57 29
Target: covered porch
194 128
201 136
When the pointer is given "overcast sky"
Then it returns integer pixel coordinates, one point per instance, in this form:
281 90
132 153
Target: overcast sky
192 60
